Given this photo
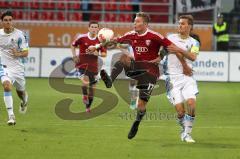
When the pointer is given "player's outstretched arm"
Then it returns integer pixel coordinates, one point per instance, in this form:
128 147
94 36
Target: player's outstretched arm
189 55
93 50
108 45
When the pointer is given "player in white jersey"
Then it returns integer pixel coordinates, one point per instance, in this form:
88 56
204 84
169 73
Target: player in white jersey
180 84
13 49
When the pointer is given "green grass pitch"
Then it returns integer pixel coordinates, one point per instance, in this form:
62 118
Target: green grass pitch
41 134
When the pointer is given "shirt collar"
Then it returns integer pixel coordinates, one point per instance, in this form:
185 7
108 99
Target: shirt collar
143 33
90 36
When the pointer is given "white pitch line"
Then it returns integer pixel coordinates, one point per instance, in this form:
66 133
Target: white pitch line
160 126
150 126
124 126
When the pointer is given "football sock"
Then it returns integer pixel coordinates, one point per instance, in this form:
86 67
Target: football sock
117 69
8 100
84 90
90 100
90 97
188 123
134 93
140 115
24 96
180 122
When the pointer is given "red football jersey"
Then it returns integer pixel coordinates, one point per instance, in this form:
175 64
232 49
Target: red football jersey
146 48
88 62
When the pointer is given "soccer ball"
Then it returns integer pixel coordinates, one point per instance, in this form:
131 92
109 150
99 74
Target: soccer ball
105 35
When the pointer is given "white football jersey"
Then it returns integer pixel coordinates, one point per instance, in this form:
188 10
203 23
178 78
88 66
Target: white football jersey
171 64
17 40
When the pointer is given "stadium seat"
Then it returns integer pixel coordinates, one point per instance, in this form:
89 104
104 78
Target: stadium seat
60 5
34 4
61 16
4 4
21 15
156 8
97 6
156 1
110 17
16 4
128 17
76 16
74 6
26 15
51 16
125 18
95 17
55 10
47 15
17 15
121 18
34 15
44 15
125 6
47 5
111 6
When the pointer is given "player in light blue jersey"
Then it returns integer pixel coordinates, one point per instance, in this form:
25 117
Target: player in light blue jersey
13 49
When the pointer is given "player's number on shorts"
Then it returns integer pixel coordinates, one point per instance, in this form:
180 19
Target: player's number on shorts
150 86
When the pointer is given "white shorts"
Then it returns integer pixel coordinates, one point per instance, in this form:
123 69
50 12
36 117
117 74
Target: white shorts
180 88
16 78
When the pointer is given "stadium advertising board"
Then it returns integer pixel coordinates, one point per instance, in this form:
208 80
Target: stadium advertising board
32 63
211 66
234 67
53 58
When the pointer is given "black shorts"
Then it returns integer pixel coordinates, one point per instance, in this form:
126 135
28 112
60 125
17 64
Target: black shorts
145 81
91 75
222 46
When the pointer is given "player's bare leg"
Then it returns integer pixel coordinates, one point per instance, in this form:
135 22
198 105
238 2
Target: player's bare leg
191 105
24 100
124 61
8 100
140 114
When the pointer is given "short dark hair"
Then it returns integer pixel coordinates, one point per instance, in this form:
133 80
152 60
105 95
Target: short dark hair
188 17
93 22
6 13
143 15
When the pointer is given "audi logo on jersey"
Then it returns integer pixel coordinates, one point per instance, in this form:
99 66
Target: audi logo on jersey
141 49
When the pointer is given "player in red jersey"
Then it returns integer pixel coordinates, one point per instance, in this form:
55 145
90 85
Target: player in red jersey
143 67
87 64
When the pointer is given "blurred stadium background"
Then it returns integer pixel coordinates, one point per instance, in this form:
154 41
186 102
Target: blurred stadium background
51 26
